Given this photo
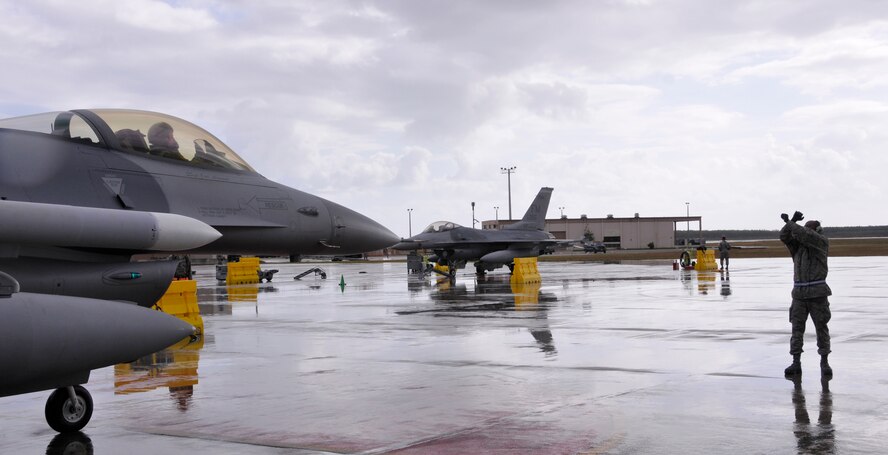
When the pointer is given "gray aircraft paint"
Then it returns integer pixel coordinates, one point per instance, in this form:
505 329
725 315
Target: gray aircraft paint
255 215
76 205
86 227
489 248
85 199
53 341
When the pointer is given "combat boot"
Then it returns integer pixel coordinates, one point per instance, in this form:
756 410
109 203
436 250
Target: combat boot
825 369
796 366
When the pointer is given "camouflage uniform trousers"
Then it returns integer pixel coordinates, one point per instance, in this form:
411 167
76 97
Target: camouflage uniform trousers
818 308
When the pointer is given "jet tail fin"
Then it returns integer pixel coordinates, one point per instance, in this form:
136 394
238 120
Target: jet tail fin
535 218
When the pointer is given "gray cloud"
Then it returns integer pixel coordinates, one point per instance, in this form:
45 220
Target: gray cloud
622 106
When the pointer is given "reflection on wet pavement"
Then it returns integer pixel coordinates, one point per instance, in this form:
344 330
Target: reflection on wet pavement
75 443
818 439
174 368
495 296
617 358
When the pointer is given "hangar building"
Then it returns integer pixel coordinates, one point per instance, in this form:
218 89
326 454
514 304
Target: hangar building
626 233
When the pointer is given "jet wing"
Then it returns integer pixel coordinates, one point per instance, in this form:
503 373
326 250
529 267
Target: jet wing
406 244
494 244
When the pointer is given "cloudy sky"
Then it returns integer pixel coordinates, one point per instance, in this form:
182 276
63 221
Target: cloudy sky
744 109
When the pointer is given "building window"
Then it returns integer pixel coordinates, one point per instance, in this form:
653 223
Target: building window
612 241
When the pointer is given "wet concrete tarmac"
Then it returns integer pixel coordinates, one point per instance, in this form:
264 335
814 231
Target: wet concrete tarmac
600 358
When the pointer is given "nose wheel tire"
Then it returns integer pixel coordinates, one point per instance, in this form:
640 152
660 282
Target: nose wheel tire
68 409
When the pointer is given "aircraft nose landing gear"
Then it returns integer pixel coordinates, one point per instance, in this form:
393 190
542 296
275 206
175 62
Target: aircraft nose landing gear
68 409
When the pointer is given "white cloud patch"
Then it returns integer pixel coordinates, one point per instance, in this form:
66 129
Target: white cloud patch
413 167
847 58
302 50
162 16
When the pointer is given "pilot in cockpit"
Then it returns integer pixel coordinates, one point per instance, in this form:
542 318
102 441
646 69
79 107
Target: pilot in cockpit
162 143
132 140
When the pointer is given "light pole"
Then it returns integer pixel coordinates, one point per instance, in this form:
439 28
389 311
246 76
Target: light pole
509 171
688 219
410 222
496 214
562 211
473 215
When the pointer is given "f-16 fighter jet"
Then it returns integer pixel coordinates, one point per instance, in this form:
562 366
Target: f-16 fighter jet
82 192
454 245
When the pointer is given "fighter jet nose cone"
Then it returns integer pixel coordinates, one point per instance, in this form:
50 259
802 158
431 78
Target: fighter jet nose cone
361 234
356 233
406 244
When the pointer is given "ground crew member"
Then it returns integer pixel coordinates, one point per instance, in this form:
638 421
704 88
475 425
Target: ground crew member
809 249
723 255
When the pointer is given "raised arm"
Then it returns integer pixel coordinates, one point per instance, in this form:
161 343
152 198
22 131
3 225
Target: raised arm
786 234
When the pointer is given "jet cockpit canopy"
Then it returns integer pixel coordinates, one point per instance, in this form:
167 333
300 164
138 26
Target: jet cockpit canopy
150 134
440 226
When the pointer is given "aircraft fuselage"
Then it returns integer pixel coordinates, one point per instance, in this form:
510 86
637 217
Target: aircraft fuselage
254 214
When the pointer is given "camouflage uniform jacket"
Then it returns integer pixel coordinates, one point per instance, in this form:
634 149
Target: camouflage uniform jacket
724 248
809 251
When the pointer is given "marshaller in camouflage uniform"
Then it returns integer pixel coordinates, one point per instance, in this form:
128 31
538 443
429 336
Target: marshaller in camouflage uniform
809 249
724 253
